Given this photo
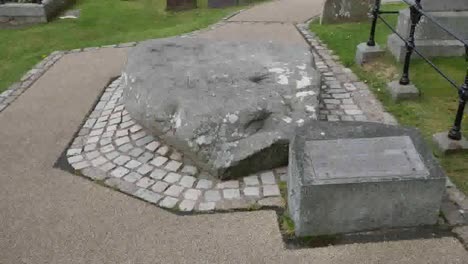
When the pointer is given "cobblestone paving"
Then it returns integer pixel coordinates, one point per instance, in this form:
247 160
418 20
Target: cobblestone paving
112 148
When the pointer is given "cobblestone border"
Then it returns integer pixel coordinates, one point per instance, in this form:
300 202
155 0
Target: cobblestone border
112 148
343 97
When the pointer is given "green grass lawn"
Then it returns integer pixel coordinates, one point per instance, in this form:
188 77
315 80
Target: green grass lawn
433 112
102 22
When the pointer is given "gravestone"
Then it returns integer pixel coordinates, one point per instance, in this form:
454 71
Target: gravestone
351 177
177 5
431 40
229 106
342 11
222 3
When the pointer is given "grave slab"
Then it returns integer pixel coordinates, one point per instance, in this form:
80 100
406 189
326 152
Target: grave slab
351 177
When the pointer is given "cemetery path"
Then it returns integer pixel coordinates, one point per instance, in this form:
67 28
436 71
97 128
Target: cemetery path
282 11
271 21
48 215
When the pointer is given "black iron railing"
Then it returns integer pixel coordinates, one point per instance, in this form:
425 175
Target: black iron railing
416 13
19 1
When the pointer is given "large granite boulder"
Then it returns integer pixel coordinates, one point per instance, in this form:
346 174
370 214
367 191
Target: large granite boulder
229 106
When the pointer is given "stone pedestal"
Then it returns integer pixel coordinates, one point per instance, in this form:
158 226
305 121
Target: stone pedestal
447 145
401 92
431 40
365 53
357 177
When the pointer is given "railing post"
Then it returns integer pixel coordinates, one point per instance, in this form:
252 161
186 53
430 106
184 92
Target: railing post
410 44
455 132
375 17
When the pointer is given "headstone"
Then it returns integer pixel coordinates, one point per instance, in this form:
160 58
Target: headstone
222 3
229 106
431 40
356 177
177 5
342 11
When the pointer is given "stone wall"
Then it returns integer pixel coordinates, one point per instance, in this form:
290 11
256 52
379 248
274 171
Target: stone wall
24 13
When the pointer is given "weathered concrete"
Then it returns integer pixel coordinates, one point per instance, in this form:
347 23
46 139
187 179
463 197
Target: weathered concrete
401 92
431 40
365 53
347 177
231 108
447 145
342 11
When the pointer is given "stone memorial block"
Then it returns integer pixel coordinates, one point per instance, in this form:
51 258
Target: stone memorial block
176 5
342 11
229 106
222 3
431 40
349 178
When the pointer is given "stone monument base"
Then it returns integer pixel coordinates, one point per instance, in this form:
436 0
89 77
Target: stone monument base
447 145
401 92
365 53
360 176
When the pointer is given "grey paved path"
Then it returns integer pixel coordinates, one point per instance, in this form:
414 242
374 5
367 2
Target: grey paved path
292 11
51 216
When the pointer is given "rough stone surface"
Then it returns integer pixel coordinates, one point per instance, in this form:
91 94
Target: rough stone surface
447 145
342 11
462 233
230 108
346 177
401 92
365 53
